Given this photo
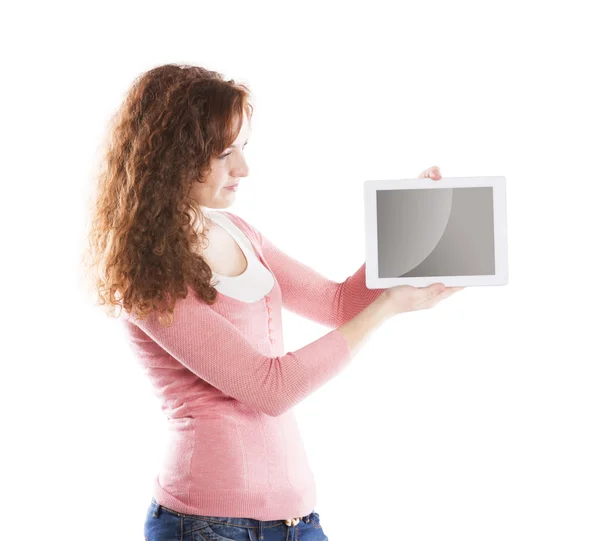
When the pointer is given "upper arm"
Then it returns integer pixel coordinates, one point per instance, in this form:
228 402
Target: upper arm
215 350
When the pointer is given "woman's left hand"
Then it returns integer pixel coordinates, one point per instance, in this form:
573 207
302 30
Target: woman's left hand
433 173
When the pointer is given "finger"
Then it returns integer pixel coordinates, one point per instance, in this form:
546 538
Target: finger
423 294
438 298
433 172
448 292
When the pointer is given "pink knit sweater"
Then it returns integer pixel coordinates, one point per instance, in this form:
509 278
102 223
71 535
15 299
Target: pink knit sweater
228 388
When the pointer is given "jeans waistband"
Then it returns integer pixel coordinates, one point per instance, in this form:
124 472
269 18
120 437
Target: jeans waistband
231 521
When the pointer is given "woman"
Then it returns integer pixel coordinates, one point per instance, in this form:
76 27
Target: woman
202 292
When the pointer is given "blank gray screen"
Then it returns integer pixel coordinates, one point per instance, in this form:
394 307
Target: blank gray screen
435 232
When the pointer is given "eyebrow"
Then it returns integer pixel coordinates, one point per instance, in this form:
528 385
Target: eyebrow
237 145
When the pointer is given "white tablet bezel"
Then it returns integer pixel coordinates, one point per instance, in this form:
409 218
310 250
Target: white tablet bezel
500 233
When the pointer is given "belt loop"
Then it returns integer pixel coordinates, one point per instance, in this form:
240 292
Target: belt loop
260 527
156 510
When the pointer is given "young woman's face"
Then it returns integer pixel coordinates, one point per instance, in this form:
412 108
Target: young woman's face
218 190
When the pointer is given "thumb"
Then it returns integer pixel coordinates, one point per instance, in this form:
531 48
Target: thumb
433 290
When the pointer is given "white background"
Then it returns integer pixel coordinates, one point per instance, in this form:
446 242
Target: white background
477 420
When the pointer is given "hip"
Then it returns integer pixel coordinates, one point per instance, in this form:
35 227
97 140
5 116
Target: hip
164 524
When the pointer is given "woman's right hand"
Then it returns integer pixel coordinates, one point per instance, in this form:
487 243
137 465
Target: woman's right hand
409 298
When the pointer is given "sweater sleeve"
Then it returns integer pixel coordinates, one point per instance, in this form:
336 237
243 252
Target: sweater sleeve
215 350
308 293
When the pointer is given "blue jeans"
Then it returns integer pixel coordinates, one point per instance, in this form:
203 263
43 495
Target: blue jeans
163 524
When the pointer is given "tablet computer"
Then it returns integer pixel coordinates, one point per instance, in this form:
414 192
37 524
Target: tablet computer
421 231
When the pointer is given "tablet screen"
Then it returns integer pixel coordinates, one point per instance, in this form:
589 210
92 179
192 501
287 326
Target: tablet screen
435 232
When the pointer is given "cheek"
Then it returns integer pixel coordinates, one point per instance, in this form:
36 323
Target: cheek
217 181
210 185
221 184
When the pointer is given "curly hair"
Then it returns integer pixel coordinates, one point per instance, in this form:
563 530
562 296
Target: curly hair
146 228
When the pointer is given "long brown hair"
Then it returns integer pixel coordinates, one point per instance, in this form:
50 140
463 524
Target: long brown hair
142 243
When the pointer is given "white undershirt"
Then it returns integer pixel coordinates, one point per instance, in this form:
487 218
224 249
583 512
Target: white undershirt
256 281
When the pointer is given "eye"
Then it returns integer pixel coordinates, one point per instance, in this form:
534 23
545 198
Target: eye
223 156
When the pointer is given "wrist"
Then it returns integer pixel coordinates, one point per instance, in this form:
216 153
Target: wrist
384 306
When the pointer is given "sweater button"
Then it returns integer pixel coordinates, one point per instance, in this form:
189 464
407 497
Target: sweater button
267 299
270 319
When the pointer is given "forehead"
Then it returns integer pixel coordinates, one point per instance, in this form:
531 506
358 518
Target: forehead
245 124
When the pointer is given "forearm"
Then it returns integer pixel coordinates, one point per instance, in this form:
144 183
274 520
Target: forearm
358 330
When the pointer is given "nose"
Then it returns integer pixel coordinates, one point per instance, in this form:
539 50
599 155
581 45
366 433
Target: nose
242 169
